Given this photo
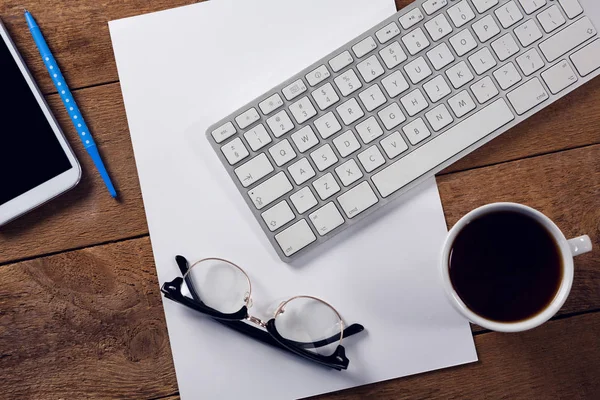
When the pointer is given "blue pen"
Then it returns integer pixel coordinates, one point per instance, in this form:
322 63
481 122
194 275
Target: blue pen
69 101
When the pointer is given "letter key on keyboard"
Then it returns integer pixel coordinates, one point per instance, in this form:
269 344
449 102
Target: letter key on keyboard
397 104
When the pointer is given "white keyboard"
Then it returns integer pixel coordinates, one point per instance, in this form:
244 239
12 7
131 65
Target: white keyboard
375 118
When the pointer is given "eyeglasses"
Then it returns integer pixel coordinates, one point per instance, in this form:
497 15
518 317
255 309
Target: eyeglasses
303 325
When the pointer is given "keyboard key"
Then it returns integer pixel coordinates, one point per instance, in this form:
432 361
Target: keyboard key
223 132
394 84
364 47
295 238
370 69
587 59
258 137
282 153
324 157
461 104
417 70
391 116
484 90
551 19
350 111
387 33
505 47
393 55
271 104
486 28
394 145
305 139
341 61
346 143
509 14
415 41
559 77
482 61
440 56
294 90
437 89
318 75
301 171
270 190
438 27
371 159
358 199
507 76
459 75
416 131
442 147
349 172
531 6
326 219
278 215
461 13
235 151
463 42
348 82
439 117
303 110
567 39
414 102
431 6
484 5
572 8
304 200
247 118
254 170
369 130
280 123
530 62
411 18
325 96
527 96
528 33
372 98
327 125
326 186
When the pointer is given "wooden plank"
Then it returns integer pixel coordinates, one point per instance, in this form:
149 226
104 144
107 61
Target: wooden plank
565 186
89 323
557 360
85 324
77 33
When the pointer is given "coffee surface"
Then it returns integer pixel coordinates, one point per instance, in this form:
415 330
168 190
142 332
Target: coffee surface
505 266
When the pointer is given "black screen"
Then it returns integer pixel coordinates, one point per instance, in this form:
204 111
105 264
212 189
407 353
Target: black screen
30 153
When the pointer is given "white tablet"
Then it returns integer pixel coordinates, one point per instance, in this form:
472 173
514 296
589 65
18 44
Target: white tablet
36 162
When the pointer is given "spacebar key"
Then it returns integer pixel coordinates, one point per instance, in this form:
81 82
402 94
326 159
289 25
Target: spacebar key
441 148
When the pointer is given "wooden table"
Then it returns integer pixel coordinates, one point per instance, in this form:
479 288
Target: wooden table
80 308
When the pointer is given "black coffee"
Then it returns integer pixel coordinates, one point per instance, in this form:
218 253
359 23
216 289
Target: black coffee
505 266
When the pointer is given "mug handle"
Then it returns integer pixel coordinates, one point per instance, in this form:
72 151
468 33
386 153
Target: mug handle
580 245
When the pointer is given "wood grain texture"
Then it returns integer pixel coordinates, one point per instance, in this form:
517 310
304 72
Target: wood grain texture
89 324
84 324
77 33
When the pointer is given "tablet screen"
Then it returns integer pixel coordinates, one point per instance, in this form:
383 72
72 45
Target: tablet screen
30 153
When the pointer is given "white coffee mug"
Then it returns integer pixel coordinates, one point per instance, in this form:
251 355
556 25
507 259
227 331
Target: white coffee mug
568 249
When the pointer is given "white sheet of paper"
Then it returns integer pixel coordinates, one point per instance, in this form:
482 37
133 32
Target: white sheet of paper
183 69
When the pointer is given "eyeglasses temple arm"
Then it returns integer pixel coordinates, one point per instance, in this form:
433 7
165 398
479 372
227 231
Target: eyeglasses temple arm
349 331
